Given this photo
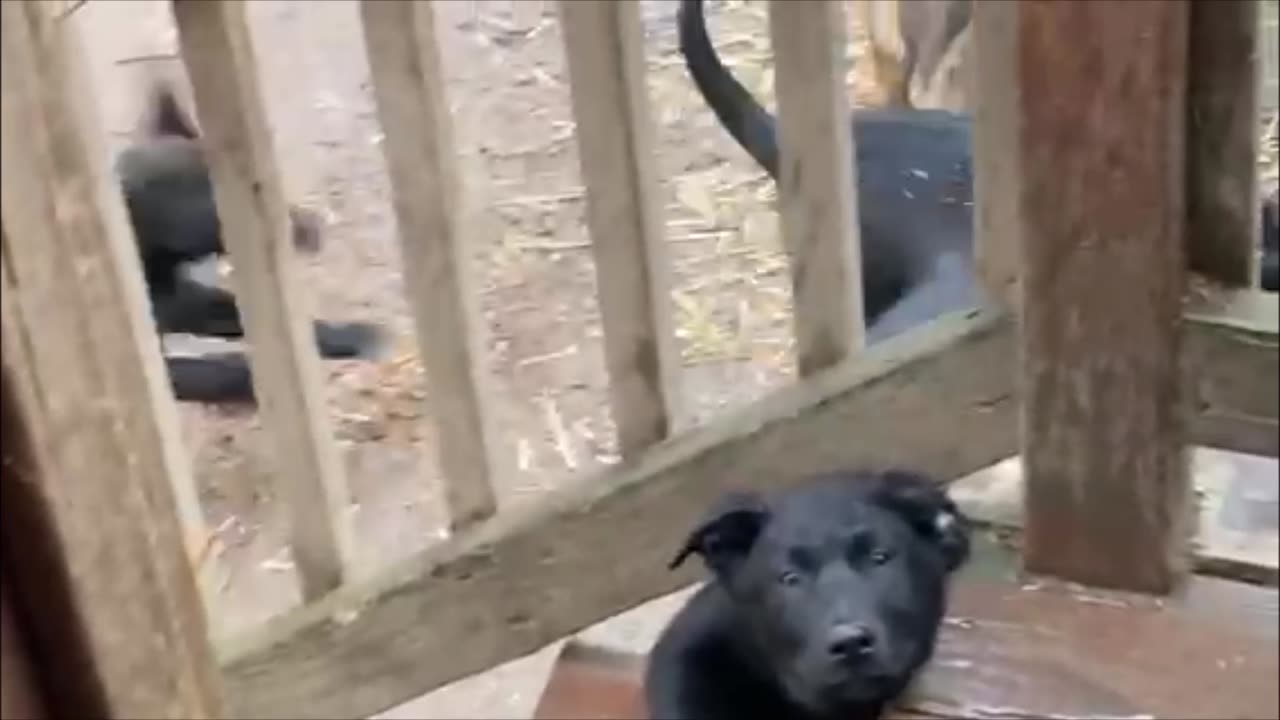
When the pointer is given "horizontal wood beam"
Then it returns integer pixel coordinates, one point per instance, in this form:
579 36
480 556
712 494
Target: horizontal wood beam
594 549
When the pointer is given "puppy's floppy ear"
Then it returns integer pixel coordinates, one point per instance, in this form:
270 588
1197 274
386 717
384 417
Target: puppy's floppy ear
924 503
726 534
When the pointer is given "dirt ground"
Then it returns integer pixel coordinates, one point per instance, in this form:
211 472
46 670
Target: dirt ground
508 87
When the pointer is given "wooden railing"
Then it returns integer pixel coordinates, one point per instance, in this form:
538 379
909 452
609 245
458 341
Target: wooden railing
1106 376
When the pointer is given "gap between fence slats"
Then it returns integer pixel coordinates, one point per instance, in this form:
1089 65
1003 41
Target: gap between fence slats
435 232
604 50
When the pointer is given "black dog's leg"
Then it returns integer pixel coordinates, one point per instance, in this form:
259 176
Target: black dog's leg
220 378
199 309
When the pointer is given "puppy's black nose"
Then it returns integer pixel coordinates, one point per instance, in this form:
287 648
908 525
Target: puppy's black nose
851 641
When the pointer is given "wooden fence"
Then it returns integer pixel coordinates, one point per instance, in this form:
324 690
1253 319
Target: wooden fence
1112 150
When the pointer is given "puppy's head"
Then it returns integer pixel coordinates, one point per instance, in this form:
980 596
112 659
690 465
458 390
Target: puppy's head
840 586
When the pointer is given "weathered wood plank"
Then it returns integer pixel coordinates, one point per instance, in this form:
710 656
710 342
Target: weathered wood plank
94 477
255 227
158 420
601 545
404 61
1104 428
1234 540
816 199
604 50
997 224
1222 140
1232 359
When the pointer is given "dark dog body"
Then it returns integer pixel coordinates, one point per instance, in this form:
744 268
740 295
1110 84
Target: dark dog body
915 191
169 196
824 603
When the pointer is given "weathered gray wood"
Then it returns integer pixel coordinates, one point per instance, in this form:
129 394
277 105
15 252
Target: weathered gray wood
595 548
430 205
159 418
604 50
1222 140
1101 192
816 199
90 448
994 498
1232 357
255 227
997 224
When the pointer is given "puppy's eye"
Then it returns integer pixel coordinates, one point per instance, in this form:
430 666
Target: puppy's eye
880 557
789 578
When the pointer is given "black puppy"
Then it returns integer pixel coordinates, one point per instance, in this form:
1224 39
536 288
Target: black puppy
169 197
824 601
915 191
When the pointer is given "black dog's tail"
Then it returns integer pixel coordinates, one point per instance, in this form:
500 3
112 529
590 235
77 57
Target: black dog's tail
740 113
164 116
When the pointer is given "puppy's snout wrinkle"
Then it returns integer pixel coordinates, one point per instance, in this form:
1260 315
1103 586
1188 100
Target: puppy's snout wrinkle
851 642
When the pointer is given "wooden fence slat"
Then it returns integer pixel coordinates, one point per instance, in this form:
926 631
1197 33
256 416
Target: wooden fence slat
220 61
405 65
1222 141
816 181
997 228
604 50
95 479
1104 424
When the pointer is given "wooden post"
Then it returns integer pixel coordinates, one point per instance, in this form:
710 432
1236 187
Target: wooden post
1222 141
816 182
604 50
91 536
255 227
1101 89
432 212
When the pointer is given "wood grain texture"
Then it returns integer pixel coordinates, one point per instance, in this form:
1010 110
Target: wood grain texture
1222 140
435 232
998 226
1101 192
601 545
237 142
603 44
816 199
1232 364
94 477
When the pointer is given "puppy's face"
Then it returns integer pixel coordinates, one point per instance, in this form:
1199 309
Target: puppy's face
840 586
